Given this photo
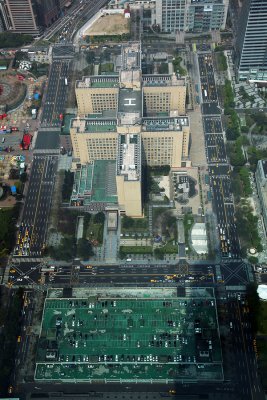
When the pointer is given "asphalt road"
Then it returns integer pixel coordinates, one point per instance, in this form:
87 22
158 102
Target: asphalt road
30 273
56 92
248 381
37 204
219 167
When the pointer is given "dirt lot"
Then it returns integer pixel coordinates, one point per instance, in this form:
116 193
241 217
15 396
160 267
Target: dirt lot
114 24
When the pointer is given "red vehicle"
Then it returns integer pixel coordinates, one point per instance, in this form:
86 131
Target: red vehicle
14 129
20 77
2 116
26 141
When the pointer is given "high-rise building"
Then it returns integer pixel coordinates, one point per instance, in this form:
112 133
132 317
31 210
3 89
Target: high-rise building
191 15
206 15
134 119
31 16
22 16
251 41
3 17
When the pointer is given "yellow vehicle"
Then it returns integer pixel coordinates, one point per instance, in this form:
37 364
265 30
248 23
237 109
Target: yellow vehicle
153 280
88 266
12 271
19 339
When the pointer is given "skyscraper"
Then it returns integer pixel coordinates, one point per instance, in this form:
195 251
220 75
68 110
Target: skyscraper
22 16
191 15
31 16
251 41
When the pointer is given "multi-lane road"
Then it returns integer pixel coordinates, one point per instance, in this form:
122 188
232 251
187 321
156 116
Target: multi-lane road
243 351
35 215
55 94
219 167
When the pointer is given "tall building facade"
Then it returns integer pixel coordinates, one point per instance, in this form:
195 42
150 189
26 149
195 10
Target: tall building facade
30 16
251 41
22 16
3 17
191 15
134 119
206 15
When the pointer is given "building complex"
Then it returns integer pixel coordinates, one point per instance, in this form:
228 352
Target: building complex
133 119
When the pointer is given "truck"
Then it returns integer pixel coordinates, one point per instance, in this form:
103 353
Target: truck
26 141
205 93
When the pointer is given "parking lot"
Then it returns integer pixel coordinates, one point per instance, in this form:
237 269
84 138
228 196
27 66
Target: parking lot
143 337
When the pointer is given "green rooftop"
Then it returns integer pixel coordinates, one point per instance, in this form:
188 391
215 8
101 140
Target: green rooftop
67 124
141 337
96 183
106 84
100 128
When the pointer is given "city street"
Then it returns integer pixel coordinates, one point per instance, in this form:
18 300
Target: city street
219 167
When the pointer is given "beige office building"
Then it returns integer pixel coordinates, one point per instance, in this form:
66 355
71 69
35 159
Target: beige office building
134 120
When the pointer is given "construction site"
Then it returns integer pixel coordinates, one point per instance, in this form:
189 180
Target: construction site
129 335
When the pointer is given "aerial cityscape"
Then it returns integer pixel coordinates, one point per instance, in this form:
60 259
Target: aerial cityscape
133 199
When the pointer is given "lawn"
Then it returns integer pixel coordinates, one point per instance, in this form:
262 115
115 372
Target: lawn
221 61
124 250
95 232
107 67
188 223
134 225
177 67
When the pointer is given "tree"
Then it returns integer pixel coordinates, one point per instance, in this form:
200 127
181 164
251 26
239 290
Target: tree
90 57
127 222
159 254
84 249
23 177
99 218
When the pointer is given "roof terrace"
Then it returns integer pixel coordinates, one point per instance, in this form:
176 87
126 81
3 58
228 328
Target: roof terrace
165 124
98 81
93 125
162 80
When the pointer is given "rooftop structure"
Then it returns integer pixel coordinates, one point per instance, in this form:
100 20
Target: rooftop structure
163 80
165 124
131 56
129 335
94 125
129 106
95 185
129 157
100 81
